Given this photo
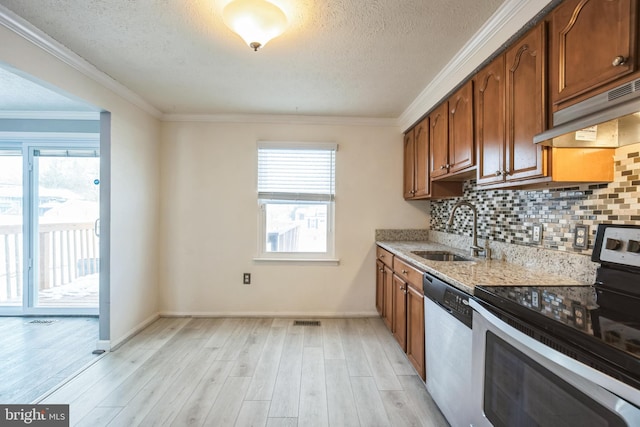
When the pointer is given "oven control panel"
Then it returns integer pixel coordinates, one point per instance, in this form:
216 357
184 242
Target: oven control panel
618 244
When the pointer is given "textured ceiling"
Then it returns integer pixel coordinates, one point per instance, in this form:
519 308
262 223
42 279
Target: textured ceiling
367 58
20 94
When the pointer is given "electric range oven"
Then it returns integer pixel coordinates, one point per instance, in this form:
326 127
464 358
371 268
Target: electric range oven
562 355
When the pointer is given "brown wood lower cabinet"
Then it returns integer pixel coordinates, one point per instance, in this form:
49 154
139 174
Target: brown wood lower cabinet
400 311
384 285
387 285
415 329
380 287
399 300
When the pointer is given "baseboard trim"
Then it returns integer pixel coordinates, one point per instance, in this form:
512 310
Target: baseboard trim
115 344
278 314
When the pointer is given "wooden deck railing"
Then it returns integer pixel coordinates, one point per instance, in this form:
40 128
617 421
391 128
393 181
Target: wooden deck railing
283 240
67 251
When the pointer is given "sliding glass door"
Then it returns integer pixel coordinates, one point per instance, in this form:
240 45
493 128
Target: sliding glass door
49 228
67 203
11 227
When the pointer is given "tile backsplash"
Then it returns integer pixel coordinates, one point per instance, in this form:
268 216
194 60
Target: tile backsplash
508 215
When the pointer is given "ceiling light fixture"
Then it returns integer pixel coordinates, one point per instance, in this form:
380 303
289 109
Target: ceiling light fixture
256 21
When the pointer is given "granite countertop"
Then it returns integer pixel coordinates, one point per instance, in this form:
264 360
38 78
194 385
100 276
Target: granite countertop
466 275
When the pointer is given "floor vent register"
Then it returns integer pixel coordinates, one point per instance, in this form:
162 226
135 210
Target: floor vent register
43 322
306 323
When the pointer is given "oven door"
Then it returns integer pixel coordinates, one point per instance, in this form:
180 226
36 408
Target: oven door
518 381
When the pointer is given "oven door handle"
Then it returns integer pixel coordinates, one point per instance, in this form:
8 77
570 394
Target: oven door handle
531 343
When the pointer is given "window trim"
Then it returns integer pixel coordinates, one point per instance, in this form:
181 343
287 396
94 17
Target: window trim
302 257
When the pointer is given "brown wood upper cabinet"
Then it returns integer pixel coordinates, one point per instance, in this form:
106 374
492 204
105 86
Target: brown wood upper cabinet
510 109
416 158
451 134
593 43
417 178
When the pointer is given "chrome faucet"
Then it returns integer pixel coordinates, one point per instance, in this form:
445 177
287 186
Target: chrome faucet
475 248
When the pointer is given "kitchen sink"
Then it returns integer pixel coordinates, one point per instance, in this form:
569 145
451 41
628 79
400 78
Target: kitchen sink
440 256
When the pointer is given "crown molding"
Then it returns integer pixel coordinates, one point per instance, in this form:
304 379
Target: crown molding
50 115
49 136
282 119
510 17
39 38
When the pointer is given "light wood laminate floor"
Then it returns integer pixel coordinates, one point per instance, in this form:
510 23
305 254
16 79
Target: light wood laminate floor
252 372
37 353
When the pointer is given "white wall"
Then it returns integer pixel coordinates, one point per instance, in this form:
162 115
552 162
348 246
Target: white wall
210 217
135 182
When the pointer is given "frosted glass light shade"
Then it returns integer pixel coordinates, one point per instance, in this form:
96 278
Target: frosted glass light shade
256 21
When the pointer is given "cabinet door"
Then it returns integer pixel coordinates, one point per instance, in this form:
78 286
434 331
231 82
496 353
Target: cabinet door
380 287
526 106
490 121
400 311
588 36
461 143
421 141
439 141
415 330
409 165
388 298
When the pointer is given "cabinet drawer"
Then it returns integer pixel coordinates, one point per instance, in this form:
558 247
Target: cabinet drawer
385 256
410 274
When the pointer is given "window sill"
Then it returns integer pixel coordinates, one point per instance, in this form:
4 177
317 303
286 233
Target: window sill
328 261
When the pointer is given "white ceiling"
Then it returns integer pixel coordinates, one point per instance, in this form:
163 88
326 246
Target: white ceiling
360 58
18 93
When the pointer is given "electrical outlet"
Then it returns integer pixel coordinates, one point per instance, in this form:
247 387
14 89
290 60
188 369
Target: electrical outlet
246 278
581 237
536 233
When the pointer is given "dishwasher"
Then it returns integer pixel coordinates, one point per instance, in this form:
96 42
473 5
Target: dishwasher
448 339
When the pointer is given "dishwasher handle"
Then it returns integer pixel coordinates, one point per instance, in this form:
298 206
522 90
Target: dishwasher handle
433 287
444 307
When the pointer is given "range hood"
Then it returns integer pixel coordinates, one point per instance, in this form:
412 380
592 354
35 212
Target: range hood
610 119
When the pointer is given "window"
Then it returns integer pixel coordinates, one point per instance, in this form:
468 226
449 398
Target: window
296 191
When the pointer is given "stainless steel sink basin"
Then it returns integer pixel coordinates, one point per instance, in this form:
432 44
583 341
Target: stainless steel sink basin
440 256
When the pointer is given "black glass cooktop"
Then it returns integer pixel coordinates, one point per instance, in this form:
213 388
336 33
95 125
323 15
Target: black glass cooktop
573 314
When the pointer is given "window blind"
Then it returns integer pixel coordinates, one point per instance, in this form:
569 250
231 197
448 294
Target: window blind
54 152
296 173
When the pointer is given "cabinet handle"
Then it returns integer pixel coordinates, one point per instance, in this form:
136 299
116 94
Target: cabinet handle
507 172
381 255
404 271
381 270
619 60
443 167
498 173
404 291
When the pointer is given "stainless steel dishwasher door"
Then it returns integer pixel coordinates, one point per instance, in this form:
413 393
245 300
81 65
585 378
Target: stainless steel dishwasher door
448 363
